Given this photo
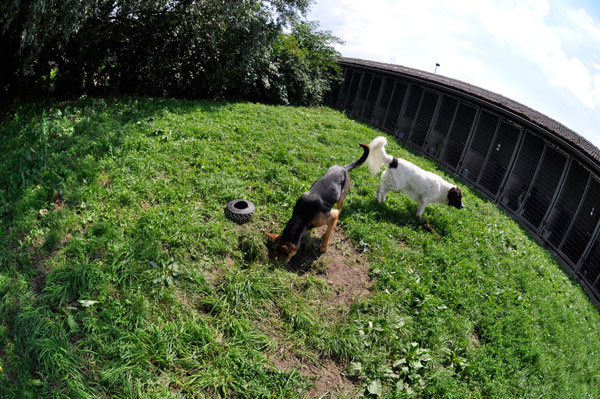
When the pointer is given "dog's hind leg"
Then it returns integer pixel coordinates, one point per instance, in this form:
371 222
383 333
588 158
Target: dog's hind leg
332 220
345 190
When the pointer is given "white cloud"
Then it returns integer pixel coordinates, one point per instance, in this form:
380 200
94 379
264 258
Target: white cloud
584 21
528 50
524 34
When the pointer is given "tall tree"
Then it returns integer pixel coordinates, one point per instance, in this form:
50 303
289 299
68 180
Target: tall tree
32 30
199 48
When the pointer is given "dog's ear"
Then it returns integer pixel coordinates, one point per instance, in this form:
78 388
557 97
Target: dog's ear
274 237
286 251
455 198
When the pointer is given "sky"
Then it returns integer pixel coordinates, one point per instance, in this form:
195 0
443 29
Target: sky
542 53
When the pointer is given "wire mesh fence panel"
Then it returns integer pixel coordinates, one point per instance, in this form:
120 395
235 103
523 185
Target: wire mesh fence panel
391 117
516 188
408 117
480 145
459 133
371 99
352 92
499 157
424 119
584 225
332 94
566 206
344 88
441 127
544 186
384 102
590 269
361 95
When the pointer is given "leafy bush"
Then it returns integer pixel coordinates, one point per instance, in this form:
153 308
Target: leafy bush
303 66
183 48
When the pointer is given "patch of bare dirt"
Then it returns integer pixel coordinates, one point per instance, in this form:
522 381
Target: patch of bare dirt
476 337
329 381
429 228
38 281
475 340
326 375
214 275
345 269
59 203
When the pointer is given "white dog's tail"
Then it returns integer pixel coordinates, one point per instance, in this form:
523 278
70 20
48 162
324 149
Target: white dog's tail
378 157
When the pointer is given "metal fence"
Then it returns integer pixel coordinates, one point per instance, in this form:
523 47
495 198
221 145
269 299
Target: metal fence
546 176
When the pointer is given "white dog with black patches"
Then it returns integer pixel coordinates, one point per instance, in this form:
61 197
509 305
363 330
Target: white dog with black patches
421 186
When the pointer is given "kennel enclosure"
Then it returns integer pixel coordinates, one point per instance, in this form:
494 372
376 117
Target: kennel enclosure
543 174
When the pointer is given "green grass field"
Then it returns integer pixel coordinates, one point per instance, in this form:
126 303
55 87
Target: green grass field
120 276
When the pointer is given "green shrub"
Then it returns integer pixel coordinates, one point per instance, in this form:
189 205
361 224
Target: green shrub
202 49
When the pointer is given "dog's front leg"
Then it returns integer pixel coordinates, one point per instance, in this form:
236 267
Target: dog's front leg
382 192
420 210
332 220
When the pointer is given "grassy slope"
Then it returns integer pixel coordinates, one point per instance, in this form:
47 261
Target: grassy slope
120 202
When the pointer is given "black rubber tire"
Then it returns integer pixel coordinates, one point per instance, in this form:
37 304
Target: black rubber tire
239 210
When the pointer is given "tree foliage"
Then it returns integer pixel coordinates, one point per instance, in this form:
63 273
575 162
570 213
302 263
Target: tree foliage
255 49
304 63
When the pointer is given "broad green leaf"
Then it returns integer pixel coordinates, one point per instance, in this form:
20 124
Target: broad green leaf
354 369
374 388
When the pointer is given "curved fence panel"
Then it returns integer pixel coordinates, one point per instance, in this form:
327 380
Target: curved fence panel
545 175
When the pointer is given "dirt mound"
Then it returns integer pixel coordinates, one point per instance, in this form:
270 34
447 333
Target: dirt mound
326 375
345 269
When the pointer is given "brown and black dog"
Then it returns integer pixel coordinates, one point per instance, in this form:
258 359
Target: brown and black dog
314 209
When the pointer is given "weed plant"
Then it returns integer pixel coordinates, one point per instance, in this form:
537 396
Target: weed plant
120 276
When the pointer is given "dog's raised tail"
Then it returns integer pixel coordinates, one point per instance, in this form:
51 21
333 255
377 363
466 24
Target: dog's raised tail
362 159
378 157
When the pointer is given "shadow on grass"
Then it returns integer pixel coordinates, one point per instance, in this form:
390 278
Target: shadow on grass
306 256
387 213
50 161
51 153
49 144
51 156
